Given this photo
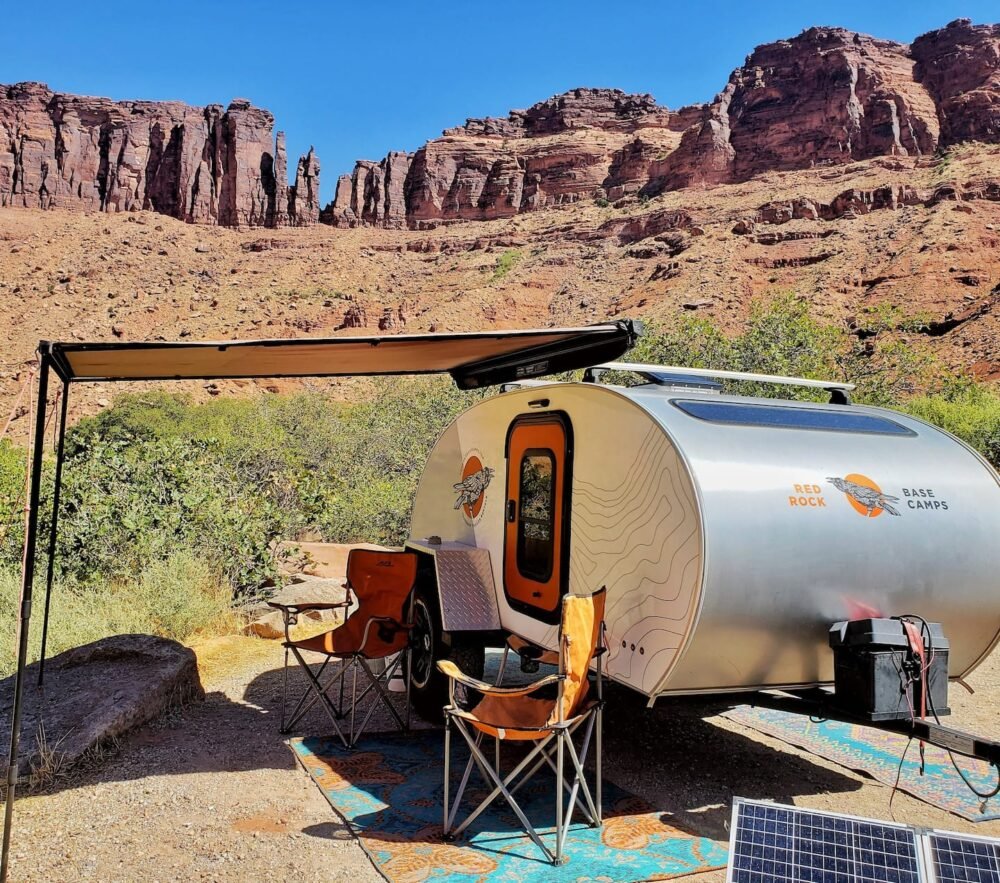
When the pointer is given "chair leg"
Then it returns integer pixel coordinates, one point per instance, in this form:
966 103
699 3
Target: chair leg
546 758
409 681
445 826
560 739
500 787
599 748
284 692
354 696
466 773
320 694
503 665
580 780
381 695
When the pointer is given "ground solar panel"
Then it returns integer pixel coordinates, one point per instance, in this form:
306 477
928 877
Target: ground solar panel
961 859
783 843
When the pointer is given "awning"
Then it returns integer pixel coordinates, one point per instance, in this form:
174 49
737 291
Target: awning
473 359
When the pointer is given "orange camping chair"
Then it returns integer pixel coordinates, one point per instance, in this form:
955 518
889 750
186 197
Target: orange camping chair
378 628
547 713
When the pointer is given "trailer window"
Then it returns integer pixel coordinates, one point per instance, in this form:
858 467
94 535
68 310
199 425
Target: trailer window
738 413
535 521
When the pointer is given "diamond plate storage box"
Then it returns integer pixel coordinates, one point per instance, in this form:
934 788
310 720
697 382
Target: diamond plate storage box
876 674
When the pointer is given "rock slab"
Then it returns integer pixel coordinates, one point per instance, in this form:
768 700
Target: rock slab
95 693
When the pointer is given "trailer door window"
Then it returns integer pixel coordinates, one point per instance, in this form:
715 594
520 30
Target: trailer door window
536 519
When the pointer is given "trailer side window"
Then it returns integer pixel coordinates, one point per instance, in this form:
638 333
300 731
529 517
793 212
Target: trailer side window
777 416
535 520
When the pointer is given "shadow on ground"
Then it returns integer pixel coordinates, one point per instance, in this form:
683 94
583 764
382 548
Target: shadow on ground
674 756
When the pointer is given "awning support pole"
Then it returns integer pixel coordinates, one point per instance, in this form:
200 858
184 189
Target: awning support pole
57 487
27 580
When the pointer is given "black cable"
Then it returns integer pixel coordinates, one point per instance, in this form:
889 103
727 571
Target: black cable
984 796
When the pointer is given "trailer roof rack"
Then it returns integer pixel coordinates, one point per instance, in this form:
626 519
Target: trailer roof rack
674 375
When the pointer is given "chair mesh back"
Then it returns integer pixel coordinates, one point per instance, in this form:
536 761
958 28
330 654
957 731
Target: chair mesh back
580 631
382 582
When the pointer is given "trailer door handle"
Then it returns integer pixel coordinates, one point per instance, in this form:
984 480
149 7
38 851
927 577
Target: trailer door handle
511 511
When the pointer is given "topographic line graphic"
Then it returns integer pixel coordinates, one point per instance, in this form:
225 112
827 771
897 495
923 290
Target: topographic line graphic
667 574
623 489
627 517
594 504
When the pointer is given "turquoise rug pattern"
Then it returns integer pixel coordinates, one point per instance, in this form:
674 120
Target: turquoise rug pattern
877 753
390 792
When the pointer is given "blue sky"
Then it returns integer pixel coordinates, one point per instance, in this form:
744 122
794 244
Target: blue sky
357 80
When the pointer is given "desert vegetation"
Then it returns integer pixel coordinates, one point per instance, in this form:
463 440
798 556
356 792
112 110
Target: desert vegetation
172 511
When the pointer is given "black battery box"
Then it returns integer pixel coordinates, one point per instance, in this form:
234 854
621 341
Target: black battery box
877 675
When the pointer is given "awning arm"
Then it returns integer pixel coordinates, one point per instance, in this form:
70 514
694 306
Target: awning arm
549 358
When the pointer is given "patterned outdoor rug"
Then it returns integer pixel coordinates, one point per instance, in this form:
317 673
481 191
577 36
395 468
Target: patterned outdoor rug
877 753
390 789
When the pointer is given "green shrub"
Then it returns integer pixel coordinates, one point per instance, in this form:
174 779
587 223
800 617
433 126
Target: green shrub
971 411
179 597
505 263
782 337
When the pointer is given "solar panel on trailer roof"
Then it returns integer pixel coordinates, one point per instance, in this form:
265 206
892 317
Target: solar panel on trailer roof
772 843
958 858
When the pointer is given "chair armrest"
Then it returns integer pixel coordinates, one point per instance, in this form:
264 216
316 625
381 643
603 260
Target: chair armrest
301 608
290 612
399 626
454 673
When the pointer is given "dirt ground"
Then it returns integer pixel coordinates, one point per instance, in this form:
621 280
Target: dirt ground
213 793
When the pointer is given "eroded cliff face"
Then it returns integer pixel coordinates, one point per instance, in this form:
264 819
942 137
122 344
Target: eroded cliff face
203 165
960 67
826 97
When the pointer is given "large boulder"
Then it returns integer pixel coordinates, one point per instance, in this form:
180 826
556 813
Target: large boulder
93 694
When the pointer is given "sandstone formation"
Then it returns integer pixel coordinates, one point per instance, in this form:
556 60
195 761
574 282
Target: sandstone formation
826 97
960 67
202 165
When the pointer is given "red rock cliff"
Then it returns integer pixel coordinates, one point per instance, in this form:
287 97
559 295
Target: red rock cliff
203 165
828 96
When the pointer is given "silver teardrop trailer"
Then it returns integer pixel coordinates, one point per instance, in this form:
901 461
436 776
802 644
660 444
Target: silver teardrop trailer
731 532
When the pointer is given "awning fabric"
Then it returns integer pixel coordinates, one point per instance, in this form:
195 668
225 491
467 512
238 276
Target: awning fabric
473 359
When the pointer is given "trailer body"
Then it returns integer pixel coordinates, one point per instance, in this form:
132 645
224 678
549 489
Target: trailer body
730 531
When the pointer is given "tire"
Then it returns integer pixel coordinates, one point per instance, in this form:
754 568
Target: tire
429 688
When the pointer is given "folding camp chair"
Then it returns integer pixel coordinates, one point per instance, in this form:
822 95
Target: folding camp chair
548 712
377 629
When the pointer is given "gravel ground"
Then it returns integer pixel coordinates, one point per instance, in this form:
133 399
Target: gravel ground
213 793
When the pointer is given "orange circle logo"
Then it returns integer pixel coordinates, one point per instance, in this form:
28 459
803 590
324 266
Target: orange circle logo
471 489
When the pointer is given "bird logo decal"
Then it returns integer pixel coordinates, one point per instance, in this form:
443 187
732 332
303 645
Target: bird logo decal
865 497
472 488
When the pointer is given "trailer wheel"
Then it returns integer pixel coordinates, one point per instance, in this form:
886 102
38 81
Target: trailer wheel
429 688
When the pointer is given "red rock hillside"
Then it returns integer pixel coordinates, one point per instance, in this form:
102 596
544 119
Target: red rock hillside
199 164
826 97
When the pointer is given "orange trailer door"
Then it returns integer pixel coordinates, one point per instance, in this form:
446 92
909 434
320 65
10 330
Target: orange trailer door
537 514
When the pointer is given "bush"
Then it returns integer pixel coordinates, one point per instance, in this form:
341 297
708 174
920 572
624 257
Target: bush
782 337
505 263
155 474
179 597
970 411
